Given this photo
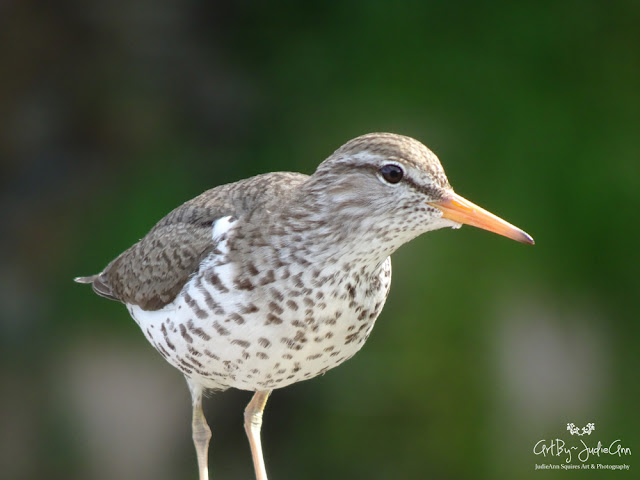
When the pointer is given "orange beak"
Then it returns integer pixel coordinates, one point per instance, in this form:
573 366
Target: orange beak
461 210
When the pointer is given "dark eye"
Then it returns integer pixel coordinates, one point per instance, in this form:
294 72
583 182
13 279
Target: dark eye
392 173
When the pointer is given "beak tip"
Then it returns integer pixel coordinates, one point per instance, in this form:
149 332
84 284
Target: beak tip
526 238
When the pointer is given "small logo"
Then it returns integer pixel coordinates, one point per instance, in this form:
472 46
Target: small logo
579 452
583 431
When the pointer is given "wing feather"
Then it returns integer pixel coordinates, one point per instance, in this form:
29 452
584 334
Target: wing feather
152 272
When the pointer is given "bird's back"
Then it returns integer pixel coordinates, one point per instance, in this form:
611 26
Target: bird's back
152 272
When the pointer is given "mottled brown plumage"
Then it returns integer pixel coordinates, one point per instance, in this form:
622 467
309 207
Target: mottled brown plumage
278 278
153 271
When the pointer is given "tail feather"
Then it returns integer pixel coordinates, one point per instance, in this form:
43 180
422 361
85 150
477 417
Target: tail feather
86 279
99 284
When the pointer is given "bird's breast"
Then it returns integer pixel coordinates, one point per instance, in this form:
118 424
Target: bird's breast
264 326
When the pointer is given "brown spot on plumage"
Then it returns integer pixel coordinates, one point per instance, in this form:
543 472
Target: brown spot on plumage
185 335
274 307
276 294
198 331
252 270
268 277
200 313
165 334
244 284
220 329
351 290
193 351
236 318
211 304
215 281
350 338
249 308
209 354
273 319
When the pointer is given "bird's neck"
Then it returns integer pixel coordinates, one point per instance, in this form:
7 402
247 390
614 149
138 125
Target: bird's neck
328 231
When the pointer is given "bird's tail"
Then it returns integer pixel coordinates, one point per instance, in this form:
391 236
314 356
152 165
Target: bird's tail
100 285
86 279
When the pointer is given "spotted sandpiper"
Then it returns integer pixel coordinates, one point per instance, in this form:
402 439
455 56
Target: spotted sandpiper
278 278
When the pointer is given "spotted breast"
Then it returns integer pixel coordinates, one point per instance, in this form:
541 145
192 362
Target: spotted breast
209 331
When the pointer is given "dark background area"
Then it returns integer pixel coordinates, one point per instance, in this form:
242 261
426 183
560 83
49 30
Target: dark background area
113 113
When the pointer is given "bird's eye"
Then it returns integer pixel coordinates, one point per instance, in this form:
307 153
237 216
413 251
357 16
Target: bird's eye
391 173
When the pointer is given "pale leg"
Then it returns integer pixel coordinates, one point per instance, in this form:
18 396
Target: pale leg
252 424
201 431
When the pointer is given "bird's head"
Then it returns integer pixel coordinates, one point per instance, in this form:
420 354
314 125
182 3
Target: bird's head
395 187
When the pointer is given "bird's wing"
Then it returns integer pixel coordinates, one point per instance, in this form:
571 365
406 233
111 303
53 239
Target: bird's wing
152 272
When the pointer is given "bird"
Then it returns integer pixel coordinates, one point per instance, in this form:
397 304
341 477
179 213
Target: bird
278 278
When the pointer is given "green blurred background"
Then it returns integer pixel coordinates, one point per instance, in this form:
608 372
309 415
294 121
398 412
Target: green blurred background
113 113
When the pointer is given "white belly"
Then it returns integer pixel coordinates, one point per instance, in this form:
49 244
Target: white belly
265 338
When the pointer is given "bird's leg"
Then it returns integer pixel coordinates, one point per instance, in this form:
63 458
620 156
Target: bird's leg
201 431
252 424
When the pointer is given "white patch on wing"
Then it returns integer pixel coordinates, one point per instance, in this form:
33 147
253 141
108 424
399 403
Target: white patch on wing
219 235
220 230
